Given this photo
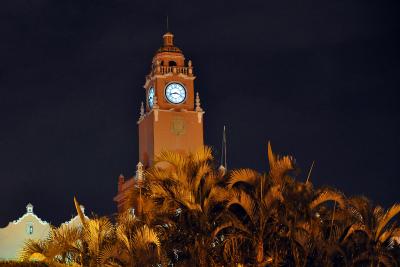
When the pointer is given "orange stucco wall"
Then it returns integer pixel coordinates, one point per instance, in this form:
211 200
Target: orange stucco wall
173 130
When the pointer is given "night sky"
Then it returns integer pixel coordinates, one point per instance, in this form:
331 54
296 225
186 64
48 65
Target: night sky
320 79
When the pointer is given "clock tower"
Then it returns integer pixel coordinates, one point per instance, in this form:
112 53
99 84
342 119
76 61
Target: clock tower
172 118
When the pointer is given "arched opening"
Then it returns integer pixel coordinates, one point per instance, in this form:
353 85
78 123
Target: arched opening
172 63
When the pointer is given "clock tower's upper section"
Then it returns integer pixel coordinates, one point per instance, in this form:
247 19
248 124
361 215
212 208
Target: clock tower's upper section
169 85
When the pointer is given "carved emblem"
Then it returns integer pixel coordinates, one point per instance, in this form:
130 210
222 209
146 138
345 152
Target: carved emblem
178 125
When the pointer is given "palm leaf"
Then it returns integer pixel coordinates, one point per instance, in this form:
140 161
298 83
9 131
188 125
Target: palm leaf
271 156
245 201
392 212
202 155
175 159
201 172
79 211
357 227
247 176
329 195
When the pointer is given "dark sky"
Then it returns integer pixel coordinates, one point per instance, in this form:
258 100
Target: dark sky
320 79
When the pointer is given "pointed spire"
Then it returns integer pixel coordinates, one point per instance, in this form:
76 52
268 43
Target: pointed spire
190 68
198 107
139 172
142 109
142 114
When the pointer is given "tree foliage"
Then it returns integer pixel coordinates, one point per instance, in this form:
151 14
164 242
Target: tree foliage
194 214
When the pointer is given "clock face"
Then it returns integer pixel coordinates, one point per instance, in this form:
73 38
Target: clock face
151 97
175 93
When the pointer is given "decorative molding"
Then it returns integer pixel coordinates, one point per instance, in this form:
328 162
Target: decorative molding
76 218
178 126
29 214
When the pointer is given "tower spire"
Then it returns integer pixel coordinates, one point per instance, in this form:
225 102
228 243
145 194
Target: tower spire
167 24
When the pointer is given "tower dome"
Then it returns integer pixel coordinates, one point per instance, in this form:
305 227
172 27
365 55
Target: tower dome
168 45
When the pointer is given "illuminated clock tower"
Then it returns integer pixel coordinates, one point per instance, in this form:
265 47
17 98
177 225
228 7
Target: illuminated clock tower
171 119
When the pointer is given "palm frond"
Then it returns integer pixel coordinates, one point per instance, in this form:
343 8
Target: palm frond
202 155
144 237
387 217
273 194
271 156
329 195
279 166
34 249
97 233
246 202
217 195
201 172
175 159
355 228
79 211
378 213
247 176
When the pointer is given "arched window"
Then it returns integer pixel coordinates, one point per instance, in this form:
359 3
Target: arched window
172 63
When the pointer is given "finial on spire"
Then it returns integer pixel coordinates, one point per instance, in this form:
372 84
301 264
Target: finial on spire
167 24
190 68
139 172
141 117
198 107
29 208
142 109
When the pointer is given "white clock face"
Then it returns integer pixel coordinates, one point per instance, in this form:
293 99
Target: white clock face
175 93
151 97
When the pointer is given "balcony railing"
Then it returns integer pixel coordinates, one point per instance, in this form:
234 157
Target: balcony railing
173 69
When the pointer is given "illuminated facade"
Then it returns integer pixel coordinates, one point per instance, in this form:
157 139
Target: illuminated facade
13 236
171 119
29 226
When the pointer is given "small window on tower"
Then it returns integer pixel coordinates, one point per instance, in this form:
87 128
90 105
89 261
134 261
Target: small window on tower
172 63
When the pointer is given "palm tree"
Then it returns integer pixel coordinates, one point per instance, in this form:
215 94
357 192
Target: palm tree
137 244
370 238
186 192
62 247
255 206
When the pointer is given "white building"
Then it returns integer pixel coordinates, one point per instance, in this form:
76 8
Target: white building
13 236
29 226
